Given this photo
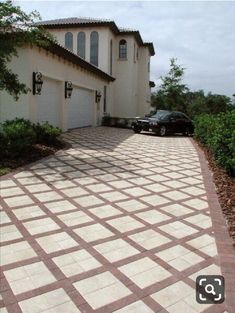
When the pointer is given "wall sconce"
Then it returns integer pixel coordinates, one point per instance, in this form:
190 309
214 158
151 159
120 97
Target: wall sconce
68 88
97 96
37 83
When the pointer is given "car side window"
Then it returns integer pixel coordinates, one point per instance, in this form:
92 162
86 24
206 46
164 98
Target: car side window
185 118
176 116
166 118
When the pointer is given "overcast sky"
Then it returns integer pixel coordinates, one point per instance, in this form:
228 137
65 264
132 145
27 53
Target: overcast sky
201 35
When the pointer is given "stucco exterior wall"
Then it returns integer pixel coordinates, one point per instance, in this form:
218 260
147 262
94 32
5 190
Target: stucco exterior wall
127 100
130 94
104 34
144 91
31 60
9 108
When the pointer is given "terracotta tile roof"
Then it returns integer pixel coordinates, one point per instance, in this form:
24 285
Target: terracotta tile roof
60 51
64 53
72 20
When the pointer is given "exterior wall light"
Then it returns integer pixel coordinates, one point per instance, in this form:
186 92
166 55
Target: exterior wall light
68 89
97 96
37 83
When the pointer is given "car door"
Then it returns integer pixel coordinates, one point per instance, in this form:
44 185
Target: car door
173 123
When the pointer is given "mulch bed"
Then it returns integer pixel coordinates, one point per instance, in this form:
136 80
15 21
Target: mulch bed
38 152
225 189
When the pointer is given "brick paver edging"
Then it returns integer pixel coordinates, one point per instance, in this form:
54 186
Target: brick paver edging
224 243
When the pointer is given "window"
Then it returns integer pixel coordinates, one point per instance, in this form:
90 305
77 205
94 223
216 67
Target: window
111 57
81 45
137 53
69 41
105 95
122 49
148 66
134 53
94 48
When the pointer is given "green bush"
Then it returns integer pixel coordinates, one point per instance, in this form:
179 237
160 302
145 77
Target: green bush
218 134
17 137
46 133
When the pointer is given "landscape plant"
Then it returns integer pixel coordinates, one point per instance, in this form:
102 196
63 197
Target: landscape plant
217 133
17 29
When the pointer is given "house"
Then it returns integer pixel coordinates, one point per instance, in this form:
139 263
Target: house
109 69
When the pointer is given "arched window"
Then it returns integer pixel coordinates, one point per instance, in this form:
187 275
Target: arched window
81 45
69 41
122 49
94 48
111 57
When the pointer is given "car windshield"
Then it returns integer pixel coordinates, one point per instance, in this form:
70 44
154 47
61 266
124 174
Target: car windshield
160 114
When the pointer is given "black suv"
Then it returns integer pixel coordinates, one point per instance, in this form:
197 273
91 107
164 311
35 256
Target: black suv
164 122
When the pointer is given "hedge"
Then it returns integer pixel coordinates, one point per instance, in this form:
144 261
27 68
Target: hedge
18 136
217 133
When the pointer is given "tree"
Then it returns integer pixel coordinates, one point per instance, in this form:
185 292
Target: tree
17 29
172 92
176 96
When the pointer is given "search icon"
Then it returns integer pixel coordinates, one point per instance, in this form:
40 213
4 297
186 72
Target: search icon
210 289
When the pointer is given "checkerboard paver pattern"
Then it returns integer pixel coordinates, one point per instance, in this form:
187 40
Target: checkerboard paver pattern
119 223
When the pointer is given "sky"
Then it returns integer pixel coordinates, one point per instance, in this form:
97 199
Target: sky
200 34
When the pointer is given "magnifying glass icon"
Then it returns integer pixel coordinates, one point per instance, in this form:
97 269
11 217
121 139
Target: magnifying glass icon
210 289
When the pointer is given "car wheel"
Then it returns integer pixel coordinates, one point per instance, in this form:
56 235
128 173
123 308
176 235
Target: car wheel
162 131
187 132
137 130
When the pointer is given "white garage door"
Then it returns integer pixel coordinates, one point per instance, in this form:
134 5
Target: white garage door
80 108
49 103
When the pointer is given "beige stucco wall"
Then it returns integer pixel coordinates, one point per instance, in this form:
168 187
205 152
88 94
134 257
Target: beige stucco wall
144 91
131 92
131 88
104 35
31 60
9 108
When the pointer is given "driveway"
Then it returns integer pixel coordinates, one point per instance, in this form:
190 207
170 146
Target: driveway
119 222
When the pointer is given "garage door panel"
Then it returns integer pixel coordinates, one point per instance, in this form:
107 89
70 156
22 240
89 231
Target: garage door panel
80 108
49 103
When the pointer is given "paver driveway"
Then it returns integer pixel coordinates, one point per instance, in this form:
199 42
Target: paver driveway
117 223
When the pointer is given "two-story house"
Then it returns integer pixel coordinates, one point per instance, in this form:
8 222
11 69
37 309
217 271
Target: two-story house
108 67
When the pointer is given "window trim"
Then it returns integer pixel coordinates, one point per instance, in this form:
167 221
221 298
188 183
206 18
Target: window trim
111 57
96 63
84 44
122 47
65 39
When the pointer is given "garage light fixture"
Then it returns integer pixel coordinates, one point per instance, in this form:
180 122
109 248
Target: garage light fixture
68 90
37 83
97 96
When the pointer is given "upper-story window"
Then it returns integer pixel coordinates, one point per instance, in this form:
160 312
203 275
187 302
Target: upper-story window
69 41
111 57
134 57
81 45
122 49
94 48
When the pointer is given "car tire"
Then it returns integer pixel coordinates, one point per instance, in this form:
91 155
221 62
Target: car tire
162 131
137 130
187 132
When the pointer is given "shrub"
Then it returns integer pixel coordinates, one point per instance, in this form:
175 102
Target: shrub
218 134
204 126
46 133
17 137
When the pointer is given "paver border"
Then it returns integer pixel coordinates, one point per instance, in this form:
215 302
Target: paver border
226 252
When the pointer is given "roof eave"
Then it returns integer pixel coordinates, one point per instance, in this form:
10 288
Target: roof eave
70 56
